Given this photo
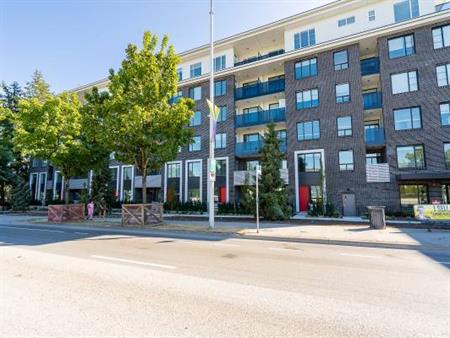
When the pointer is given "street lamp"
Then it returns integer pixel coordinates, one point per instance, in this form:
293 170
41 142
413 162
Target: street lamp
212 162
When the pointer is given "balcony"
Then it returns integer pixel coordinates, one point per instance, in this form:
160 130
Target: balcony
259 89
260 117
259 57
374 137
240 175
378 173
253 148
372 100
370 66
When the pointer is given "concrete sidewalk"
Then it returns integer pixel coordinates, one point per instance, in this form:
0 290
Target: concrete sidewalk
339 234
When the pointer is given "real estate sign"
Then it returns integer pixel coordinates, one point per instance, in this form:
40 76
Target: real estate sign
432 211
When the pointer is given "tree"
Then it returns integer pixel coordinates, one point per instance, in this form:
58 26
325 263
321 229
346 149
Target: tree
274 195
51 129
147 130
37 87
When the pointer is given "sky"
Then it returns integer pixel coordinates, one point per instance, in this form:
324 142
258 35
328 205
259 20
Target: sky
75 42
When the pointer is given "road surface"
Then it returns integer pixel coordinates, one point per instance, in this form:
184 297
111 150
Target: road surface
57 282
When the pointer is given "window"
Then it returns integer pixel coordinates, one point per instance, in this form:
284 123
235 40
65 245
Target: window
374 158
340 60
306 68
447 154
173 170
346 160
406 9
310 163
441 37
308 98
371 15
401 46
220 141
221 167
220 88
342 93
252 137
346 21
282 135
443 75
196 144
412 157
251 165
180 74
193 182
196 69
222 114
196 119
305 39
194 169
273 106
195 93
219 63
413 194
344 125
308 130
127 183
404 82
407 118
445 113
316 193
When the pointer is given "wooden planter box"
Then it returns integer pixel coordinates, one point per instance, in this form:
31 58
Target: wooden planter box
141 214
65 212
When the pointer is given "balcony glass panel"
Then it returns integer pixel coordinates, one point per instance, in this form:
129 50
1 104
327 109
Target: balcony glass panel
374 136
370 66
259 89
260 117
372 100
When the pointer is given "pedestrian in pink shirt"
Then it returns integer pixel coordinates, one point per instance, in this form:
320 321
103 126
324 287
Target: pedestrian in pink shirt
90 209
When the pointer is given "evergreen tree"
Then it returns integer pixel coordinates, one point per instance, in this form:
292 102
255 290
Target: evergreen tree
274 197
20 194
37 87
100 185
248 197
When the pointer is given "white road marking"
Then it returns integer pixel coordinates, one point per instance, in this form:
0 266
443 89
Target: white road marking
134 262
361 256
225 244
209 243
82 233
59 231
286 250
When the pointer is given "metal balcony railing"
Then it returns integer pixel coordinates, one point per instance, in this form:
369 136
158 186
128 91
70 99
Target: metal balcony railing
259 89
259 57
372 100
370 66
260 117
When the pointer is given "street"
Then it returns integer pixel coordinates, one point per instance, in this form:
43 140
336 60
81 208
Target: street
58 282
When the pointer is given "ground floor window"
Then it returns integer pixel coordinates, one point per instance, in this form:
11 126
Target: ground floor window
194 177
127 184
413 194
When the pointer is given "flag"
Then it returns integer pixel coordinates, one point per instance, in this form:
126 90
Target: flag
214 111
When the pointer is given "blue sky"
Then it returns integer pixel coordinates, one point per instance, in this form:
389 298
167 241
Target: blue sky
74 42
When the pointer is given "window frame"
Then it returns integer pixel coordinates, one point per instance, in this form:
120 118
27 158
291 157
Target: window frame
311 94
222 85
314 154
299 38
298 71
223 141
447 160
193 122
417 194
343 98
194 69
408 81
442 36
342 65
414 146
192 93
346 166
315 134
447 103
191 145
222 117
404 48
345 129
447 74
220 60
411 120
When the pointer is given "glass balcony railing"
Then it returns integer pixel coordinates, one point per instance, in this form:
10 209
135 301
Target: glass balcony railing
370 66
374 136
253 148
259 57
372 100
260 117
259 89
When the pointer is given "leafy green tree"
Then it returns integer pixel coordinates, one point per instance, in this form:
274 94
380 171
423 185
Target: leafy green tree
37 87
51 129
274 196
146 130
248 197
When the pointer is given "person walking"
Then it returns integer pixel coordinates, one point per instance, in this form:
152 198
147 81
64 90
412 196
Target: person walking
90 209
103 208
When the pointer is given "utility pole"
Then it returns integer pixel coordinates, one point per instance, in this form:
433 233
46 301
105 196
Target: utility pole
257 173
212 162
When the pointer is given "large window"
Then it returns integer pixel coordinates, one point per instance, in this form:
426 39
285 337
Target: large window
221 167
127 184
308 98
305 39
407 118
222 114
220 141
251 165
340 60
344 126
445 113
196 69
346 160
196 119
194 176
308 130
173 170
413 194
401 46
306 68
411 157
404 82
441 37
443 75
195 93
447 154
342 93
219 63
220 87
406 9
196 144
310 163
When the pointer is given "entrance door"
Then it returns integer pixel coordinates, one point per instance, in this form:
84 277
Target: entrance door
349 204
304 197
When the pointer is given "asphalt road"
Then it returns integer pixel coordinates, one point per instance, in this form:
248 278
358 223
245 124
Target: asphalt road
57 282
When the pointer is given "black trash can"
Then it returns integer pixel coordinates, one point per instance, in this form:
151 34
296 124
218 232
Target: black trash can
377 217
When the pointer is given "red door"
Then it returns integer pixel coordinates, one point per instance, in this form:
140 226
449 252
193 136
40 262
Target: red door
222 194
304 197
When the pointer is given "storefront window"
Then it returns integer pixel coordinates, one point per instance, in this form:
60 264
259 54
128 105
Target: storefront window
413 194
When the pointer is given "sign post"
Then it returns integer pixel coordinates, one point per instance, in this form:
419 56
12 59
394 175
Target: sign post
257 173
211 169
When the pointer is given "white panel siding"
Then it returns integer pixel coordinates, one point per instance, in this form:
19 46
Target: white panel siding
378 173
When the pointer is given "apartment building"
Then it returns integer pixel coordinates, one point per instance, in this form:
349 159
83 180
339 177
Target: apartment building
360 95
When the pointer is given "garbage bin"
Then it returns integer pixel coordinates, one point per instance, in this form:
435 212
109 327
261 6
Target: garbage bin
377 217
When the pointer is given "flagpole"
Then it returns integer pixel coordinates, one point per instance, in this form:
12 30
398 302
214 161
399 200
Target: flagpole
211 169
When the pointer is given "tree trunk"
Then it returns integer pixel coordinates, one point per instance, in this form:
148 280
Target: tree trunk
66 189
144 185
2 194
